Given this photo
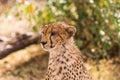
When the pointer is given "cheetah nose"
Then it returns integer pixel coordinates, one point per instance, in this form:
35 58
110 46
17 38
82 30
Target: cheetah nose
43 42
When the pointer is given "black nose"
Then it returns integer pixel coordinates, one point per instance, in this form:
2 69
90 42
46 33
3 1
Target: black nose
43 42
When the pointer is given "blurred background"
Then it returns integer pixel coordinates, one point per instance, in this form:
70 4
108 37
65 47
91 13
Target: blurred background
98 36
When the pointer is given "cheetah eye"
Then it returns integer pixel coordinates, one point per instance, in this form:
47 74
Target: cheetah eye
53 33
42 32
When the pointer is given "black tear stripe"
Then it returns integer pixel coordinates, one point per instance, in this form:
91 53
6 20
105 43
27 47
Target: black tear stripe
51 41
51 38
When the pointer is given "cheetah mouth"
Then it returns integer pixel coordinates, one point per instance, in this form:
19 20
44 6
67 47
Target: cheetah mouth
45 47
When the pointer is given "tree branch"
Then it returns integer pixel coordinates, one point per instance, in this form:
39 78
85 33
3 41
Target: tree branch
19 42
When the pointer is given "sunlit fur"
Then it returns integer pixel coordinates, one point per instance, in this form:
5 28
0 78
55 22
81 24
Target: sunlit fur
61 36
65 60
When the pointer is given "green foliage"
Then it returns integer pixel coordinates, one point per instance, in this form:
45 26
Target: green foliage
33 13
97 22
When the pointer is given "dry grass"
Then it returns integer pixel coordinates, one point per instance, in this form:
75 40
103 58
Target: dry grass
31 64
26 64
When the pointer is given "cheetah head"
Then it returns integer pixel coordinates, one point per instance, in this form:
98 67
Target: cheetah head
56 34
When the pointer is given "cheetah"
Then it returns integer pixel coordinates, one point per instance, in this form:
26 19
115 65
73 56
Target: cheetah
65 59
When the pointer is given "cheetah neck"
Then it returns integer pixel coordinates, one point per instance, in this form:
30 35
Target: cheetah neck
67 56
68 48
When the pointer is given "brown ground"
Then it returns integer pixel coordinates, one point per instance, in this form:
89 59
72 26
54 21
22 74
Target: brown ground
26 64
31 64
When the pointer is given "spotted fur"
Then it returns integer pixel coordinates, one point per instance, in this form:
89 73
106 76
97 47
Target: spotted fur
65 61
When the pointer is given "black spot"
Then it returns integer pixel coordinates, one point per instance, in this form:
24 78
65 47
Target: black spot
65 67
67 59
72 73
69 77
62 62
64 51
60 69
58 60
76 73
80 72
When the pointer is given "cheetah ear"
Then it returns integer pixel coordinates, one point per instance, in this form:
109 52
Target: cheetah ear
71 31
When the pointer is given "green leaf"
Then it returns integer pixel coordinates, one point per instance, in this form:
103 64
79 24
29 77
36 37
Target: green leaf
35 29
106 46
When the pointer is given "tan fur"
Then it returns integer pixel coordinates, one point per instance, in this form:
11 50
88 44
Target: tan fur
65 61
